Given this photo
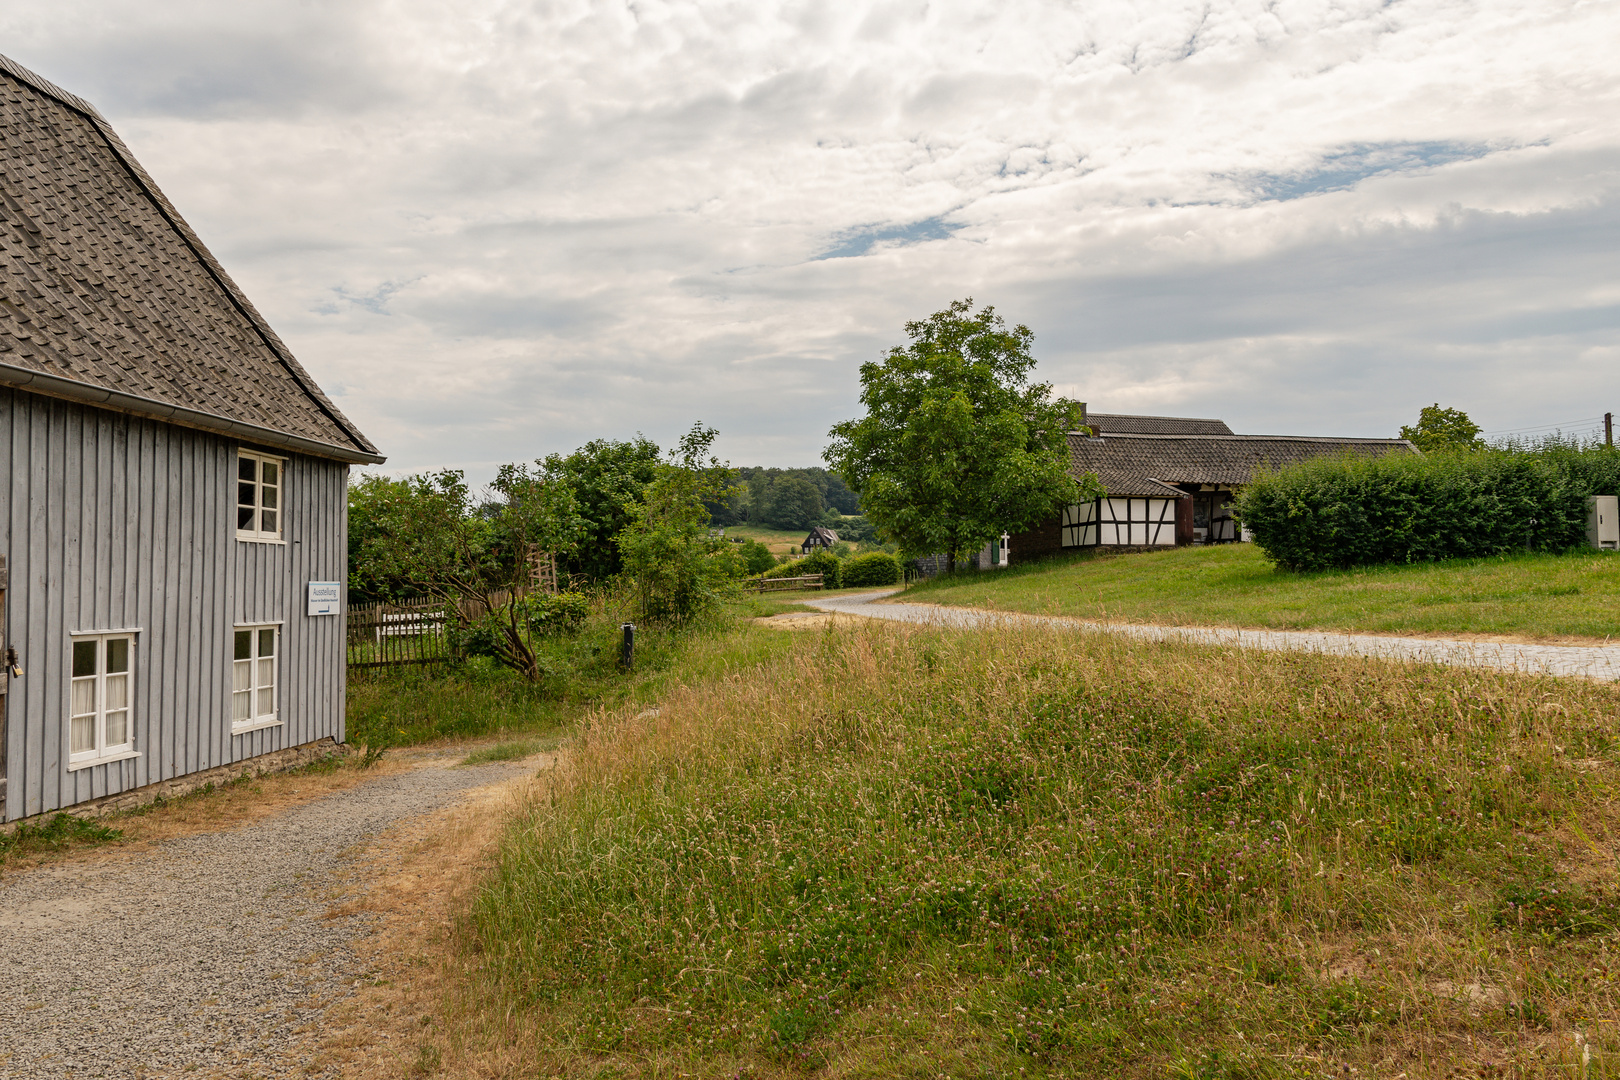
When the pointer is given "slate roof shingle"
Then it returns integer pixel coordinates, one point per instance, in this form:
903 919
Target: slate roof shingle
107 295
1129 464
1119 423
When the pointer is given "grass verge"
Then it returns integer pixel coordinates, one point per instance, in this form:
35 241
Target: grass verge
479 699
1536 597
896 851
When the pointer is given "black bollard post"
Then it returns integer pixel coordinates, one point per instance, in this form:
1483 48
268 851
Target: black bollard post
627 648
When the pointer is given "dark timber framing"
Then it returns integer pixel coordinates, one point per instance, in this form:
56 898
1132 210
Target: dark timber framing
1171 481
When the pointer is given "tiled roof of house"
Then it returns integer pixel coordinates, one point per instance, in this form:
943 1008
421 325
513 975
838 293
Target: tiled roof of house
1108 423
106 294
1144 464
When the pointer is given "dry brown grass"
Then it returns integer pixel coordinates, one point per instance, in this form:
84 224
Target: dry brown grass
413 1013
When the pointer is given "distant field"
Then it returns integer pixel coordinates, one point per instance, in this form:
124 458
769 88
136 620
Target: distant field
780 541
1541 597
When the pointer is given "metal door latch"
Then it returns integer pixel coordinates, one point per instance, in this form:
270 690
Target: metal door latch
13 668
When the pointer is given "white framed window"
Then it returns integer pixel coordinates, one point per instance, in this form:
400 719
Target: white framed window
101 695
254 685
261 481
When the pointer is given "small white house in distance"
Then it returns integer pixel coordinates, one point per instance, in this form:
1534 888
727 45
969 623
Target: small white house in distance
173 509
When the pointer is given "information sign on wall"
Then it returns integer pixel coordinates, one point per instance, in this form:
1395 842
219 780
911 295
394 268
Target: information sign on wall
326 598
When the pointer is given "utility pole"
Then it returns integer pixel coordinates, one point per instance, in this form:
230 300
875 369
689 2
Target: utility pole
1608 429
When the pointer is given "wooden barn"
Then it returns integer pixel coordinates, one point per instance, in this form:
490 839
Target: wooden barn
1171 481
173 522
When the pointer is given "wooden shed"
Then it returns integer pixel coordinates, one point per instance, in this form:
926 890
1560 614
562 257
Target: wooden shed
174 485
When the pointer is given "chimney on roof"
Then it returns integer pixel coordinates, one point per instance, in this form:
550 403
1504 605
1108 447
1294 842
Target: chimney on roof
1083 415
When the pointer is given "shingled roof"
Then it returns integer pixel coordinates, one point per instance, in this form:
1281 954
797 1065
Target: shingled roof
107 296
1147 464
1111 423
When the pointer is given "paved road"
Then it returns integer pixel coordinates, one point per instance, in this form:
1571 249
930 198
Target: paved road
1593 661
201 957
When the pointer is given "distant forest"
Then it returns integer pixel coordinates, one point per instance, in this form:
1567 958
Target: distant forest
787 499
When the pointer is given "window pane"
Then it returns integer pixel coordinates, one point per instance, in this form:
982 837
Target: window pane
267 702
268 521
246 468
240 702
118 654
84 734
267 497
84 658
242 675
267 642
118 728
244 645
244 518
271 471
267 673
116 692
84 697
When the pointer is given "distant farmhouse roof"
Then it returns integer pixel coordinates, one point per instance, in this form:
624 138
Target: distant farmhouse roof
820 536
1118 423
108 297
1129 464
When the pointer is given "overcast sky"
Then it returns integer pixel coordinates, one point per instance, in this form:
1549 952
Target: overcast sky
493 229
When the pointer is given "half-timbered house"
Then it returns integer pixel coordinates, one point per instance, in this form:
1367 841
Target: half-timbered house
172 485
1171 481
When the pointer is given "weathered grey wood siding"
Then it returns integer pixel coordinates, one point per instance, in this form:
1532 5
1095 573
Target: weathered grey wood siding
113 522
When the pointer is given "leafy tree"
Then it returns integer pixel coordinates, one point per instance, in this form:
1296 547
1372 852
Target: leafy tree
679 570
428 535
957 446
1443 429
793 503
369 498
608 478
756 557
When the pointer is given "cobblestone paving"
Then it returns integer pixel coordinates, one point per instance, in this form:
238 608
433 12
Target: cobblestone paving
1593 661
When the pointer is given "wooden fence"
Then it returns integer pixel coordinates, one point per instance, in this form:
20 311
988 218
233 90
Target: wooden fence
808 581
405 632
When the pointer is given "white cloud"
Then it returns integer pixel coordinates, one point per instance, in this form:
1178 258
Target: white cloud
498 229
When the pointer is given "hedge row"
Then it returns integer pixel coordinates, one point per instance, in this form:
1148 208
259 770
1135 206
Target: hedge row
1338 512
857 571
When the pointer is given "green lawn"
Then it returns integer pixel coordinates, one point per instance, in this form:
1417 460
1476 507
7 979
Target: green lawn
1545 597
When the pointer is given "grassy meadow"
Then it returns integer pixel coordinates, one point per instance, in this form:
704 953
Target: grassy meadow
1539 597
479 699
881 850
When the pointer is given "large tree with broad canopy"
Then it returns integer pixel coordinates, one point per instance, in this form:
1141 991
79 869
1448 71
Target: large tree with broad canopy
957 445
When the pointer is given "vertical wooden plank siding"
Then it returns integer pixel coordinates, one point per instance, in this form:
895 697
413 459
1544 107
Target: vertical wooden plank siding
115 522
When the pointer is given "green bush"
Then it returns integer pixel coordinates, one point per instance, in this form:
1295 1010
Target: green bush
1332 513
821 562
556 613
756 557
874 569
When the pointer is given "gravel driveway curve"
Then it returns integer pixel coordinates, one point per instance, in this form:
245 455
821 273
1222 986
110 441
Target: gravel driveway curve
1593 661
201 956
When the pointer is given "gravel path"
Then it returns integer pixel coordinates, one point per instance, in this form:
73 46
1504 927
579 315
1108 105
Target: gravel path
201 956
1594 661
